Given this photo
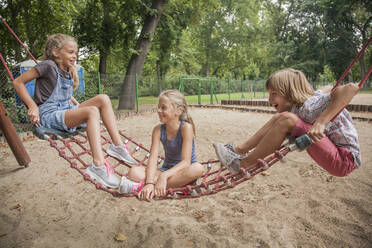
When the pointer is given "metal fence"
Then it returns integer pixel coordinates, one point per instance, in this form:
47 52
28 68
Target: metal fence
111 84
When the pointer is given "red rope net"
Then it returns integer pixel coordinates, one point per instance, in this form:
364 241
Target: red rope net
76 151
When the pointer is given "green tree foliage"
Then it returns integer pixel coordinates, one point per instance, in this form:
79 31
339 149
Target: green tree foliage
33 21
347 25
138 57
103 25
231 39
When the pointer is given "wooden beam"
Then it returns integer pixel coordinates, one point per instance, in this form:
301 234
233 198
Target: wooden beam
11 136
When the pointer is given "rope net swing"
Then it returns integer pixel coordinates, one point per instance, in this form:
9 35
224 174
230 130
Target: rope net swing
75 149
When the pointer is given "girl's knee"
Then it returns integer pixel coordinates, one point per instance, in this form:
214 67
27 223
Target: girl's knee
104 99
93 112
198 169
136 173
287 119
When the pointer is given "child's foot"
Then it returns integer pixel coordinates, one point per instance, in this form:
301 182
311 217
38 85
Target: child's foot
103 175
129 187
122 153
227 157
231 147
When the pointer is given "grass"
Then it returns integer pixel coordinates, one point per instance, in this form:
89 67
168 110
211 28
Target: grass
193 99
206 99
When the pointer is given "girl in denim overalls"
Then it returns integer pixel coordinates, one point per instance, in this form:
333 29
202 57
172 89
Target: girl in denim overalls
176 133
55 107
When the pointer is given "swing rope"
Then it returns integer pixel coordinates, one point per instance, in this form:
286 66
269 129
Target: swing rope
352 65
16 37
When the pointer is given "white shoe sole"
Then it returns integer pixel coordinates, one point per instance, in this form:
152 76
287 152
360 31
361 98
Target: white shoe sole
117 155
121 182
97 178
223 162
217 150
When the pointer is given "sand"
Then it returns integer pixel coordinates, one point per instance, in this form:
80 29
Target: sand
297 204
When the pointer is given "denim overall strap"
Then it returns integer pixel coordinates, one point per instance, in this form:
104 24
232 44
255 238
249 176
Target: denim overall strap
60 97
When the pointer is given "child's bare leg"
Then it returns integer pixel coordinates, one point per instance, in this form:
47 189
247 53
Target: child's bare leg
255 139
185 176
90 116
137 173
103 103
189 174
272 139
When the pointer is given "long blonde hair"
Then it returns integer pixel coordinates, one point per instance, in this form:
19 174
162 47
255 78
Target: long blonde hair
58 41
292 84
178 101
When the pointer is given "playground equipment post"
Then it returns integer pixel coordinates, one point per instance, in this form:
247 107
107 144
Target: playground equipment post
12 138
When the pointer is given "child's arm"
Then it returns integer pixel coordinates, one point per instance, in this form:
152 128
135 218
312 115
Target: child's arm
154 153
74 101
151 167
187 135
341 96
326 88
20 88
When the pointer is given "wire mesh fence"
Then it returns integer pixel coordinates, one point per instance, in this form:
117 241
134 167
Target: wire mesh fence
197 89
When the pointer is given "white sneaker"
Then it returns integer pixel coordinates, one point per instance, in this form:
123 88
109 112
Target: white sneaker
227 157
103 174
122 153
129 187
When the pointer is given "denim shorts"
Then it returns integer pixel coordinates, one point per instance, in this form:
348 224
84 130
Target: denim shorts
165 167
56 119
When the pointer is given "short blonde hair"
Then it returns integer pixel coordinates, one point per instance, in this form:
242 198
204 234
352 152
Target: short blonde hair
178 101
292 84
58 41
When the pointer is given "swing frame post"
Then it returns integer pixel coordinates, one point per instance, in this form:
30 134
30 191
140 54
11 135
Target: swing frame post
11 136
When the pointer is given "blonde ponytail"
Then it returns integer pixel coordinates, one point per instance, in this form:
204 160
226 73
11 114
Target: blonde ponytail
186 117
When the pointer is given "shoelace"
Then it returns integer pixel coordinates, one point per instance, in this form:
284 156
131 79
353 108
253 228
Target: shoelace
109 170
126 147
136 188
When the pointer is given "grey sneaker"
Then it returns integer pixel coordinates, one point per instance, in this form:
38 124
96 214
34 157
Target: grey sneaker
103 174
231 146
129 187
227 157
122 153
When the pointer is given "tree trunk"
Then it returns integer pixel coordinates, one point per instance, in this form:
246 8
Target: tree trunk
350 77
363 70
207 69
102 67
127 98
158 71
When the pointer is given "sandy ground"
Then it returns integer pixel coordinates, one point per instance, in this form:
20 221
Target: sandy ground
297 205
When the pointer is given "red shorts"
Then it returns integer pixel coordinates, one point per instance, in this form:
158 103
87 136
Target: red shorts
338 161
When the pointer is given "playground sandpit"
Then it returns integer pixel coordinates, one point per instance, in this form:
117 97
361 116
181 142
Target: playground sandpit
297 204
